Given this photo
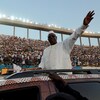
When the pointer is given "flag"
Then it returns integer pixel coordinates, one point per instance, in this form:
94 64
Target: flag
4 71
16 68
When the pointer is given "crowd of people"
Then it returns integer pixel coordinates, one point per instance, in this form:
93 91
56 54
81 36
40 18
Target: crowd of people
86 56
49 54
28 52
20 51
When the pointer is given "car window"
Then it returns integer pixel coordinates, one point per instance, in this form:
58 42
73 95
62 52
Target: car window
91 90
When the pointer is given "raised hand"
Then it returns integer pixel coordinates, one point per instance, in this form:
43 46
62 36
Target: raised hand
88 17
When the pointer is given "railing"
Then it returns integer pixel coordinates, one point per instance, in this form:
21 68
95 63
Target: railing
33 73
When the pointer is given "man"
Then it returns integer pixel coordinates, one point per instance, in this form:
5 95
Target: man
57 56
65 91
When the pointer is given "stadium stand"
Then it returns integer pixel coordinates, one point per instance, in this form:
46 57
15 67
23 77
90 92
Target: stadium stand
27 53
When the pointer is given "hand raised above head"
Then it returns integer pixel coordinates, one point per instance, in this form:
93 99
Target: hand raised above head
88 17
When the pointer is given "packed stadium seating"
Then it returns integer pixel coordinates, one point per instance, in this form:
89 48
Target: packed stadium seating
27 53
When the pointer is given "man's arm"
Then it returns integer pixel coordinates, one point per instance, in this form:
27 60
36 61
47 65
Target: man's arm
68 43
62 86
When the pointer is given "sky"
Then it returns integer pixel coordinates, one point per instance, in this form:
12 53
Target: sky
63 13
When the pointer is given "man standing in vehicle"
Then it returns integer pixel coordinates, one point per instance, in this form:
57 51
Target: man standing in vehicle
57 55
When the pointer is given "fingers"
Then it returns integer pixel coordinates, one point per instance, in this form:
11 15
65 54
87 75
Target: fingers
90 14
50 74
88 17
54 76
91 18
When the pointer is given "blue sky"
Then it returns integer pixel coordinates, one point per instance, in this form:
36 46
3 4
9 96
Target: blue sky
64 13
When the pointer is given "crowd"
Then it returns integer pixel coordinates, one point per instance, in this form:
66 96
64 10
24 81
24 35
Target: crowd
20 51
86 56
28 52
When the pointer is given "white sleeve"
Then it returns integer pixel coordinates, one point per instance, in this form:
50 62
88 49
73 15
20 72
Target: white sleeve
69 42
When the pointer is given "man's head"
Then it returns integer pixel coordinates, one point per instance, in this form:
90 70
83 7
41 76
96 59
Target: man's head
52 38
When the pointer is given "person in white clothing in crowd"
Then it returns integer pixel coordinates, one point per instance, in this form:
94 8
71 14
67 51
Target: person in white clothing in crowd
57 55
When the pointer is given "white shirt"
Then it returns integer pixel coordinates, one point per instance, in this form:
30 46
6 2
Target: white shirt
58 56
